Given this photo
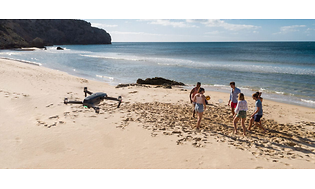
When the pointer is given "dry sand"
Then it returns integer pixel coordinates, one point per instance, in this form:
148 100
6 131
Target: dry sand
151 129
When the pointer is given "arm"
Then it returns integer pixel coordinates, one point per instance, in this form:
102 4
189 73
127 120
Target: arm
237 108
204 102
194 99
256 111
190 95
230 99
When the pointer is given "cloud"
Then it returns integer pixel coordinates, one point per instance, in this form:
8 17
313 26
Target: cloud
174 24
99 25
134 33
287 29
310 31
222 24
291 28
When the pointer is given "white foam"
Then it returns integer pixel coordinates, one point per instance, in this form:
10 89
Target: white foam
308 101
279 92
23 61
105 77
217 85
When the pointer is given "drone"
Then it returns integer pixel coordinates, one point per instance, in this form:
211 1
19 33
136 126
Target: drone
93 100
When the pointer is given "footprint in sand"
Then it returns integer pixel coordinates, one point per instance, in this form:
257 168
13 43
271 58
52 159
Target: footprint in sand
271 145
49 105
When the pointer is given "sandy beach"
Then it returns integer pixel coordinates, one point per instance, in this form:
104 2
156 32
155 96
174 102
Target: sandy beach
150 130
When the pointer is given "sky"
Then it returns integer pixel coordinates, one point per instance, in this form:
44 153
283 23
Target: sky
181 20
206 30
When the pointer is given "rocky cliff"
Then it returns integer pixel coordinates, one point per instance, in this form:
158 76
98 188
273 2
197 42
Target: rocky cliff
43 32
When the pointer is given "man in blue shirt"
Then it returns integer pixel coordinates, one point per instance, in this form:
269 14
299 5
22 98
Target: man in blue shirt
233 96
256 116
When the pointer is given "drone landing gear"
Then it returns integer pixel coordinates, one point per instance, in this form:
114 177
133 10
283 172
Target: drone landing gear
97 110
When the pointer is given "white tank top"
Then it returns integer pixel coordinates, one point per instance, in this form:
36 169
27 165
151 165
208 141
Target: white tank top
199 99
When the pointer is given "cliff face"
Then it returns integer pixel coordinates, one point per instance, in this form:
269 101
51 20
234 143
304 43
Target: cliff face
43 32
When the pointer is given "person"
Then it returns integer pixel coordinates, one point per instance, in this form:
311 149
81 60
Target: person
256 116
193 92
233 96
259 96
200 106
240 113
261 100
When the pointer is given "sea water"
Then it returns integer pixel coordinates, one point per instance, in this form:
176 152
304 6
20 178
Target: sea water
283 71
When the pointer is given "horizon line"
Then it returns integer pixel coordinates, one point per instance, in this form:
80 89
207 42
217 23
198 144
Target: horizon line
203 41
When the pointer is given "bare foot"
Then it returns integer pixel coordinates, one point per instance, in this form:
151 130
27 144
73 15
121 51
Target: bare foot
264 131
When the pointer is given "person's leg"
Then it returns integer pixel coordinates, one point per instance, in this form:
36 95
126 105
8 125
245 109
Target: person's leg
199 119
232 109
235 122
260 126
194 106
250 123
243 125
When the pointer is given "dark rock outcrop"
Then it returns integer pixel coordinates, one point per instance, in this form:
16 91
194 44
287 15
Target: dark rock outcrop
159 81
18 33
59 48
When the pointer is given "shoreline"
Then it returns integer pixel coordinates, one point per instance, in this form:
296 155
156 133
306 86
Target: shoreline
274 93
150 130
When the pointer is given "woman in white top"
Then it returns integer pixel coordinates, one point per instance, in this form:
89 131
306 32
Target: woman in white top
200 106
240 113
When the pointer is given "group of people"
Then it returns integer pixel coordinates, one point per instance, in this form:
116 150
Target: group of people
237 103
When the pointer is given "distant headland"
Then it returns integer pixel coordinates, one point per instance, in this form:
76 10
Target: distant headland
19 33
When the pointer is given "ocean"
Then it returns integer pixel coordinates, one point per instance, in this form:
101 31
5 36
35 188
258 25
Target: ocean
283 71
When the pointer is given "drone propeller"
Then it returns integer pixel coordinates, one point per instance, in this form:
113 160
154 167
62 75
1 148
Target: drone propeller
66 101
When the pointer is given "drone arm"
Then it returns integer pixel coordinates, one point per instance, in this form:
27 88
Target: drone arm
119 99
66 101
111 98
86 91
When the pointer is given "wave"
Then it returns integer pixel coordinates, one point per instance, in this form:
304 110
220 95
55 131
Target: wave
308 101
253 67
279 92
105 77
23 61
114 58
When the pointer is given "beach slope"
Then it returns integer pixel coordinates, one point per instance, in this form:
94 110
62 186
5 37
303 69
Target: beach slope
151 129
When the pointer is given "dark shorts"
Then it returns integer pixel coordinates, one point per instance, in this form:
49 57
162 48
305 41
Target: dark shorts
257 118
233 105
